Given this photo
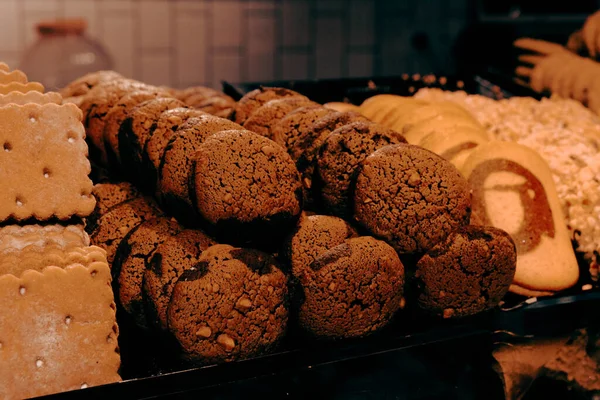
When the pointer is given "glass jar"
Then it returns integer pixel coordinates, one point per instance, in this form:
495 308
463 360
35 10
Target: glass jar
63 53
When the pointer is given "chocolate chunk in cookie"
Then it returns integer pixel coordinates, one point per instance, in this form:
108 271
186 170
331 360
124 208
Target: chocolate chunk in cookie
410 197
467 273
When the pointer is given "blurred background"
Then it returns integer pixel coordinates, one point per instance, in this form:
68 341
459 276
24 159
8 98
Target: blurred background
199 42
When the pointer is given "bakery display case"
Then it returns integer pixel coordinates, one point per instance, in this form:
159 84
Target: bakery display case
408 235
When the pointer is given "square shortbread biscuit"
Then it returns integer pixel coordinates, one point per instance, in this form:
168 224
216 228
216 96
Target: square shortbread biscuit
58 331
43 163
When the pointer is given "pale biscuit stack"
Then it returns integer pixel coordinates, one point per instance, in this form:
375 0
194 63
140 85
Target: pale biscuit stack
445 128
58 329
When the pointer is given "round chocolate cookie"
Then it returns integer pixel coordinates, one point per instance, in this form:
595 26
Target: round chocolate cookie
246 188
256 98
131 259
135 130
107 196
467 273
266 116
232 305
166 125
340 156
352 290
173 256
176 164
219 105
113 226
314 235
309 145
410 197
115 118
84 84
296 127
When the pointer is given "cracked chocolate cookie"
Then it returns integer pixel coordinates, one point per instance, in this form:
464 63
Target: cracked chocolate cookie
246 188
232 305
166 125
256 98
314 235
410 197
175 168
113 226
309 146
352 290
296 127
107 196
266 116
340 156
133 254
170 259
135 131
467 273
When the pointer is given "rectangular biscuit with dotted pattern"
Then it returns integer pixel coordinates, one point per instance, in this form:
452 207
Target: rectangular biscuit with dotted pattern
58 331
43 163
39 257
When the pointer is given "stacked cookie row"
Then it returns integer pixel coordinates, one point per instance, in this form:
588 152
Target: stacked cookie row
105 98
58 327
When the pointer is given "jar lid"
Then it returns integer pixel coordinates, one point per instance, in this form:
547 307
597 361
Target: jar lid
76 26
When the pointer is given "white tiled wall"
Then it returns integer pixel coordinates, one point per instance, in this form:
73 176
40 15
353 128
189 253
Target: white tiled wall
189 42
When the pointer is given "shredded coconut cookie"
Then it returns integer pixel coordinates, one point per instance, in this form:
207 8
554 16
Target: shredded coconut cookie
567 135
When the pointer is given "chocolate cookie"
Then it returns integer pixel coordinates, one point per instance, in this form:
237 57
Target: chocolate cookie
115 118
135 130
107 196
314 235
246 188
166 125
84 84
309 145
410 197
131 259
113 226
173 256
340 156
352 290
263 119
467 273
232 305
256 98
175 168
296 127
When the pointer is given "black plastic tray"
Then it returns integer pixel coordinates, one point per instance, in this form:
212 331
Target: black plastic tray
151 369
